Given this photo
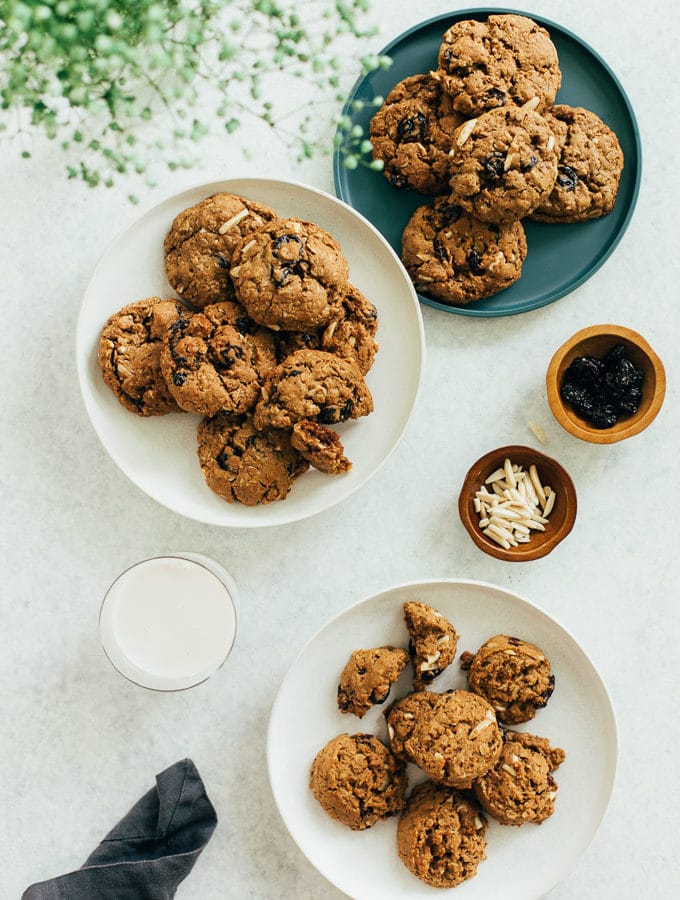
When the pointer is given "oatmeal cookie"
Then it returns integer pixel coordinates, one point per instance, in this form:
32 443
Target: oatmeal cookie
312 384
455 741
507 60
441 836
217 360
504 164
588 168
520 787
402 717
289 275
455 258
243 464
412 134
129 355
200 244
368 677
351 332
320 446
432 642
513 675
358 781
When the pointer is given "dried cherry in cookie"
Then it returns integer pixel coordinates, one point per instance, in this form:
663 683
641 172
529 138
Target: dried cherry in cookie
244 465
217 360
441 836
506 60
129 355
201 241
289 275
412 134
358 781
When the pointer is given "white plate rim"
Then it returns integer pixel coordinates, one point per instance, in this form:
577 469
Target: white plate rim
414 586
81 348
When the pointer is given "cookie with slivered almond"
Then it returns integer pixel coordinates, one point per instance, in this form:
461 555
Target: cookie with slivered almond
200 244
320 446
432 642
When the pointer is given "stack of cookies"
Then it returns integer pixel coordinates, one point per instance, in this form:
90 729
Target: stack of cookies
482 131
270 345
458 738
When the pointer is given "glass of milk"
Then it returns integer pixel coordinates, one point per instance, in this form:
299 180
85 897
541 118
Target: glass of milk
169 623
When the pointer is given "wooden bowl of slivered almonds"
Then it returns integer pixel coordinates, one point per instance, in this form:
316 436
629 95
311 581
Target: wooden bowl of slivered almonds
517 504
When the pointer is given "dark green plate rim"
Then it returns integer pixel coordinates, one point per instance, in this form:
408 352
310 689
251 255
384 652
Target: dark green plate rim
340 173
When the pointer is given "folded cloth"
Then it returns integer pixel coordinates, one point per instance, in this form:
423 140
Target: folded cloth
150 851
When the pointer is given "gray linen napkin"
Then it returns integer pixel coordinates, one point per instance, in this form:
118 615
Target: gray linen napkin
150 851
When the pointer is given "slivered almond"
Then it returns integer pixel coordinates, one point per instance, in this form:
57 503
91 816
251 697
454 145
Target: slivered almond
508 769
510 161
224 228
465 131
478 729
551 143
531 104
248 246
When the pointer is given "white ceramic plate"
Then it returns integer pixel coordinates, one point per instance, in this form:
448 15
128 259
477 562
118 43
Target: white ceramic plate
158 454
522 863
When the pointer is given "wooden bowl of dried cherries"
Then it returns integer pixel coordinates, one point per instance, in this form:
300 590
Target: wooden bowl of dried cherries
605 384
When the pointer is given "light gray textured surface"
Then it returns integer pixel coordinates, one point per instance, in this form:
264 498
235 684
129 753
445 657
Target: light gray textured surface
79 745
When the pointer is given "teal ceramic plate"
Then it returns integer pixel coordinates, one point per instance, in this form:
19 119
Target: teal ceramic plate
560 257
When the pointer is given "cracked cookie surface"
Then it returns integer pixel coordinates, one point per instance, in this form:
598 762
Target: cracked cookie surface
368 677
504 164
455 258
455 741
315 385
513 675
129 355
289 275
506 60
358 781
441 836
217 360
520 787
588 168
199 246
245 465
321 447
432 642
412 134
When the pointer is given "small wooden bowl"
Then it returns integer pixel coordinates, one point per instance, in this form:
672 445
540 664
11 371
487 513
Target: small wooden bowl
550 472
596 341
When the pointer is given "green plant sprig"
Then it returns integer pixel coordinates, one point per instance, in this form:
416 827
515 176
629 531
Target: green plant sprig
124 85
